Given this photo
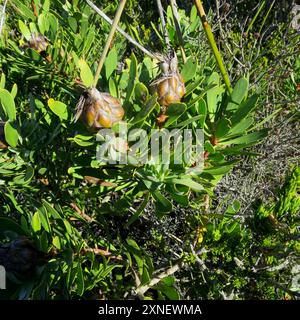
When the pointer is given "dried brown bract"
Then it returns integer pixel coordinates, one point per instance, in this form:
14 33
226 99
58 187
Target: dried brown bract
99 109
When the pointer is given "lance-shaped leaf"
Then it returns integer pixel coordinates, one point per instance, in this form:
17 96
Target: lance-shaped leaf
132 77
59 108
244 109
238 94
111 62
222 128
8 104
174 111
11 134
24 30
86 74
242 126
146 110
189 69
162 204
250 138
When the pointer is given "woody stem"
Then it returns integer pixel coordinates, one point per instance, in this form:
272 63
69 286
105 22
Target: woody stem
121 31
109 40
213 45
177 27
163 23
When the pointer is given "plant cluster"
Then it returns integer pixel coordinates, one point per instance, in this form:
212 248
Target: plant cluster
69 223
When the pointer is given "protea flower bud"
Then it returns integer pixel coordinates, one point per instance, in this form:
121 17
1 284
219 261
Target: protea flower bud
38 42
99 109
19 256
170 86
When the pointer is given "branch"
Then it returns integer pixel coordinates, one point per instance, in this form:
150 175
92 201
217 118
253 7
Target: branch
140 291
121 31
101 252
213 45
81 213
283 288
177 27
3 16
109 39
163 23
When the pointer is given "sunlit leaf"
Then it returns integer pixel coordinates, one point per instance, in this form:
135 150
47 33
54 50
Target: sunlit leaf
58 108
86 74
111 62
11 134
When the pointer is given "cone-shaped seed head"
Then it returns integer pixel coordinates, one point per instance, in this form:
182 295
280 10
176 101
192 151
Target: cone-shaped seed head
38 42
170 87
99 110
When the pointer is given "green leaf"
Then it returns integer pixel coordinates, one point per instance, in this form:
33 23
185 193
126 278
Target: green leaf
133 244
73 24
241 126
139 211
24 179
268 118
111 62
253 137
201 108
68 227
222 128
238 94
8 103
113 89
44 220
145 276
24 10
56 242
190 120
218 170
24 224
2 81
141 92
135 250
79 280
54 214
187 182
189 69
233 208
214 78
33 28
46 5
213 97
162 204
169 281
174 111
146 111
132 77
86 74
58 108
14 91
170 292
36 223
209 147
83 141
24 30
193 85
43 242
7 224
43 23
244 109
11 134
